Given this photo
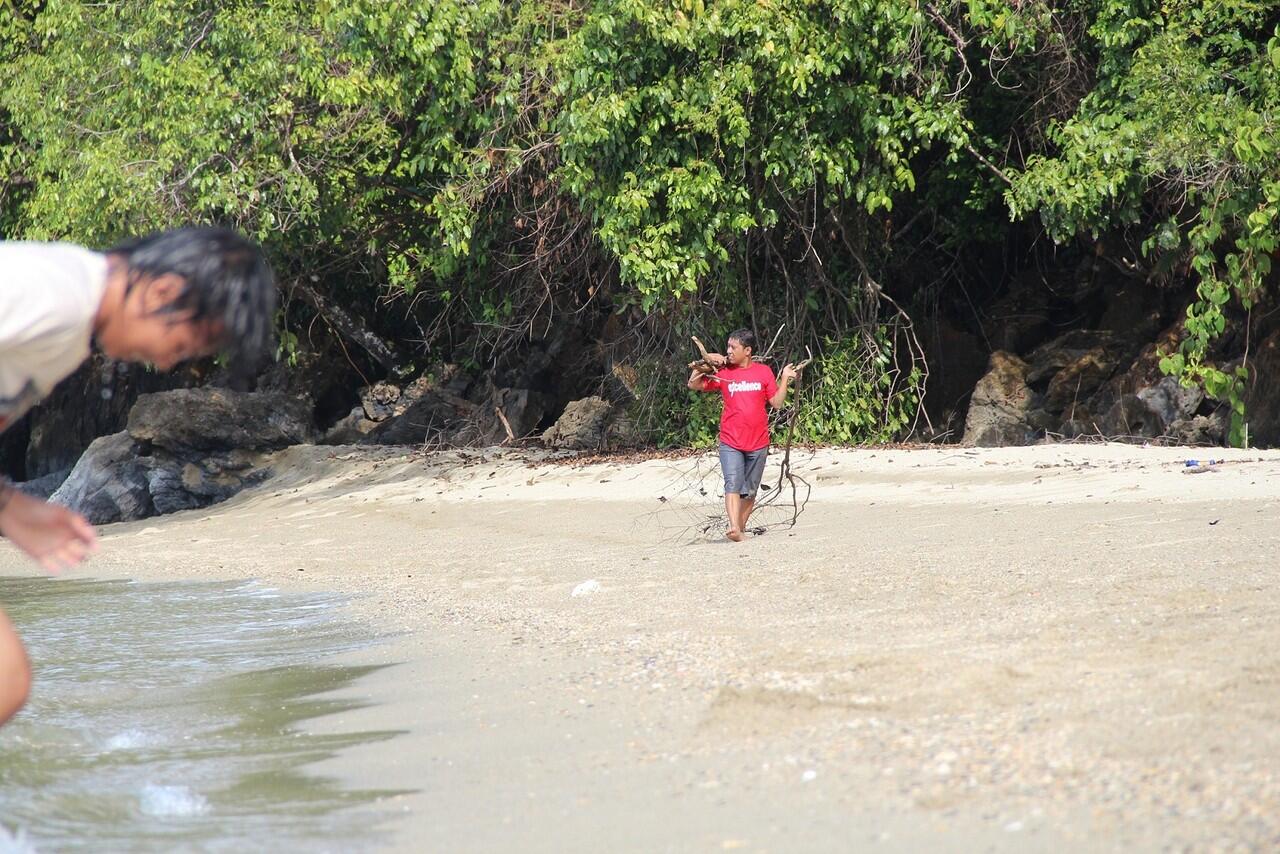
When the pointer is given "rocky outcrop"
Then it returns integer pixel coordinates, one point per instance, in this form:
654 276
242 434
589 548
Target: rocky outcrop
1003 406
448 410
115 481
1262 393
511 415
213 419
1091 383
590 424
1071 367
109 483
44 486
94 401
436 415
957 360
182 450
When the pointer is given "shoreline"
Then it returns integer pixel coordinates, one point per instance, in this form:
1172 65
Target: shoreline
1014 648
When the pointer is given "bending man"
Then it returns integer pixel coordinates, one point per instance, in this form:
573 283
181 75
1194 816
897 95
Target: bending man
161 300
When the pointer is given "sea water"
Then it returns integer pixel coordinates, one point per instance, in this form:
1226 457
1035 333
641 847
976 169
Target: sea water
172 716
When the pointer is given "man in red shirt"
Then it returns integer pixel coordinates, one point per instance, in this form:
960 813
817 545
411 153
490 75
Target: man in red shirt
746 387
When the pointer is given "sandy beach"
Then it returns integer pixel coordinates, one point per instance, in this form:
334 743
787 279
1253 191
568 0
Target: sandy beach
1046 648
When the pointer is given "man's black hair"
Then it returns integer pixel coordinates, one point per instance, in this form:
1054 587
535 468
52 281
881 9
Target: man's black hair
745 337
226 281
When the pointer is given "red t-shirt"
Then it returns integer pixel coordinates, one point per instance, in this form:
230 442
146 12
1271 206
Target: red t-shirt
744 423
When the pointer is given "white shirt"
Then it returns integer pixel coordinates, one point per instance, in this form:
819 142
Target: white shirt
49 294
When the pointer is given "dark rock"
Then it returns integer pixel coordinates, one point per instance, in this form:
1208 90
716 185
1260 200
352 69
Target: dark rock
379 401
109 483
1052 356
326 378
1171 401
1071 367
453 380
1079 426
1151 411
622 432
583 426
114 481
212 419
176 484
523 409
1262 393
43 487
349 430
1139 402
1002 406
1078 380
1130 418
437 415
385 401
1143 372
957 360
1201 429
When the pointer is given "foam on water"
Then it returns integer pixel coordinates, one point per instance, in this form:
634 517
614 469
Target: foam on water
173 716
162 801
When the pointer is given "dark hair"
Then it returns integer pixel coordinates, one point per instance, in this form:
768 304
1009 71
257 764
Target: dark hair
745 337
226 280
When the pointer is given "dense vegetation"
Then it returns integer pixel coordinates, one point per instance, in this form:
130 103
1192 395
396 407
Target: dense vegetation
464 174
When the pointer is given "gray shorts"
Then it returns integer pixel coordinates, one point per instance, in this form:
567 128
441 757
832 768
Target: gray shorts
742 470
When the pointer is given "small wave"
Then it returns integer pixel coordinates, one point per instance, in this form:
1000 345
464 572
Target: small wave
15 842
166 801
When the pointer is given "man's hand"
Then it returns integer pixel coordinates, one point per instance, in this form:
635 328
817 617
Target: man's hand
53 535
788 374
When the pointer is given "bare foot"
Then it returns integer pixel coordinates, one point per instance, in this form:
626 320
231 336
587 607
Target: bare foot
736 536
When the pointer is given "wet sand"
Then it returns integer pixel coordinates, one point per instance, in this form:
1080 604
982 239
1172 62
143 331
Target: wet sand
953 649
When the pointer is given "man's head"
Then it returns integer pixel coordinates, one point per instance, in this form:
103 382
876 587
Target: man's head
741 346
186 293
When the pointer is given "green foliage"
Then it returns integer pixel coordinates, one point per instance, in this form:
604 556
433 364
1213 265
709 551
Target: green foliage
322 128
853 394
1183 123
686 124
764 155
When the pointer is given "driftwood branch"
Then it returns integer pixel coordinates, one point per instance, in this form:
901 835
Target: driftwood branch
506 425
800 488
703 365
353 329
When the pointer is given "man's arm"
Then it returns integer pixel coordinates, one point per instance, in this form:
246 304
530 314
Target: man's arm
698 379
780 396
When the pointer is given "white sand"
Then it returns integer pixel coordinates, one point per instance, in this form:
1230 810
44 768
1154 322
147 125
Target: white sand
1015 649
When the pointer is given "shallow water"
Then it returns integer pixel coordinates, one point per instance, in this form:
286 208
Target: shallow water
171 716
